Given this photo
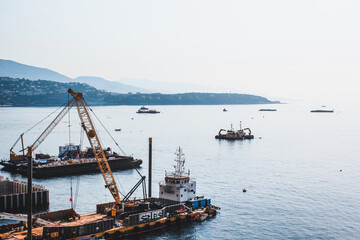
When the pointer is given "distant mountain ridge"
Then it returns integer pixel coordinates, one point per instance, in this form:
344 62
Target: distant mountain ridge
110 86
14 69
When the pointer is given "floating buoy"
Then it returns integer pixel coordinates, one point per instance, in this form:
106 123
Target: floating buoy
244 190
340 170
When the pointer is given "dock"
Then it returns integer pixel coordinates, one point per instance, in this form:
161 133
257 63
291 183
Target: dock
13 196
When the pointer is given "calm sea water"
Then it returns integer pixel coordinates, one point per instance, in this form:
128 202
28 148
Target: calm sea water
291 170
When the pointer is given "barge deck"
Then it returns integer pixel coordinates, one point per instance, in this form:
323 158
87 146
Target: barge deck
71 166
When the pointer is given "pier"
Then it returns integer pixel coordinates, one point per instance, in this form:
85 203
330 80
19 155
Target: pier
13 196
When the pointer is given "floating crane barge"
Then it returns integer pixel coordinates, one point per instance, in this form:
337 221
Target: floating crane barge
76 162
177 202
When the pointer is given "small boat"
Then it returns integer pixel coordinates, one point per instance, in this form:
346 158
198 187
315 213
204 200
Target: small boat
146 110
233 134
267 110
225 110
322 111
117 129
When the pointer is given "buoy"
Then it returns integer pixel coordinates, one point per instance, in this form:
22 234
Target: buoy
244 190
340 170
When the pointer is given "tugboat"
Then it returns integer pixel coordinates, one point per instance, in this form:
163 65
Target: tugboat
233 134
144 109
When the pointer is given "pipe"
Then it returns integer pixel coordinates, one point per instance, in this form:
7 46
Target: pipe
29 155
150 165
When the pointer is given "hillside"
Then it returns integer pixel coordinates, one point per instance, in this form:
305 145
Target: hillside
110 86
23 92
17 70
124 85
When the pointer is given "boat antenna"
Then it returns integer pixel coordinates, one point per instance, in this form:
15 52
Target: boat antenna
240 125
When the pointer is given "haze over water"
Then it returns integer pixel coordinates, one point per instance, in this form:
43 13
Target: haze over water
291 170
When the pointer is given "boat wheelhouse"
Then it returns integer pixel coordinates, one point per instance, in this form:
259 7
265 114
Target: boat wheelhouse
178 186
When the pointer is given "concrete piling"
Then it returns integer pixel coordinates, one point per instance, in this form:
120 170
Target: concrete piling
13 196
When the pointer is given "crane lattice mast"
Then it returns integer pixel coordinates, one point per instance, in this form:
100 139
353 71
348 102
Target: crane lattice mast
95 144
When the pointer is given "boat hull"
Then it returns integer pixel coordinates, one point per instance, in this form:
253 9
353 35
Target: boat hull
234 138
42 171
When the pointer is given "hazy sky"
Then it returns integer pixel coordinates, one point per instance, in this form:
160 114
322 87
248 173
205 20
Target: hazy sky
295 49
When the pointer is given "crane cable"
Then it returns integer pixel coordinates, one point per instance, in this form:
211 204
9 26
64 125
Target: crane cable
118 181
112 137
39 123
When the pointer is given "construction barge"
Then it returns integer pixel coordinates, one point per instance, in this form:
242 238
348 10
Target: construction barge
177 201
71 160
74 166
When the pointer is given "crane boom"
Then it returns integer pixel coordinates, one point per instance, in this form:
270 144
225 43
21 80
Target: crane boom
45 133
53 124
95 144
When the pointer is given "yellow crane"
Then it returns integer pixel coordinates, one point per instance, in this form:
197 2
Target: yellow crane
89 129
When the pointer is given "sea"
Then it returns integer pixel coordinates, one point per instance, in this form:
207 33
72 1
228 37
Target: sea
301 171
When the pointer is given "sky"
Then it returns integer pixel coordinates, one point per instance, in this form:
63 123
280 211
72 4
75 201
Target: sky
305 49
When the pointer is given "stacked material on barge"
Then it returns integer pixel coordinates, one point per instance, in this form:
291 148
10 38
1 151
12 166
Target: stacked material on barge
233 134
116 220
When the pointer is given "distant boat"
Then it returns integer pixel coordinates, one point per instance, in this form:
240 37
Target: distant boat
233 134
117 129
267 110
146 110
225 110
322 111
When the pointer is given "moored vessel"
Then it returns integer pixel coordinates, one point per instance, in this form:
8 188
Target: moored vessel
144 109
71 159
267 110
233 134
322 111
